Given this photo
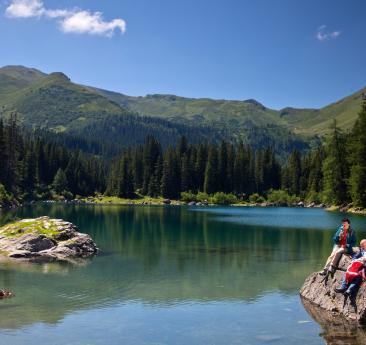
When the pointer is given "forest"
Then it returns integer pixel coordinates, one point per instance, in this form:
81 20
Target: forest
35 166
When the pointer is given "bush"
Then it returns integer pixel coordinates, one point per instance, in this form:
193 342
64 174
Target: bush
5 198
256 198
281 197
221 198
202 197
188 196
315 197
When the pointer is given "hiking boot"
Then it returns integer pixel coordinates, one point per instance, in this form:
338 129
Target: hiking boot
332 270
348 293
324 272
340 290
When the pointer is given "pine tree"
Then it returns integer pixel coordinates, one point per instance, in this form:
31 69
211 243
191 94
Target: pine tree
151 152
335 167
186 174
200 166
294 172
155 181
211 173
60 181
125 181
170 182
357 160
3 154
222 167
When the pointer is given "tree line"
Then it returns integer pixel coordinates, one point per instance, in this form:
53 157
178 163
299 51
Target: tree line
32 168
335 172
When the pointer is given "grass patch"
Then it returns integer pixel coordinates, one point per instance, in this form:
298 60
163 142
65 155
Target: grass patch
19 228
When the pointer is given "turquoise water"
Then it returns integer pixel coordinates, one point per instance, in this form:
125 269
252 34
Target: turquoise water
173 275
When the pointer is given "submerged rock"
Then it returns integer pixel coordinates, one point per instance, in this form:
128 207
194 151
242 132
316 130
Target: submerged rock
5 294
320 292
45 238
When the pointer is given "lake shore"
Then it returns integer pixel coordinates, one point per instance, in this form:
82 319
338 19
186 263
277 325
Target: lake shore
159 201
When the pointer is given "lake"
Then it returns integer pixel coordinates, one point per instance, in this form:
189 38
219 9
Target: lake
173 275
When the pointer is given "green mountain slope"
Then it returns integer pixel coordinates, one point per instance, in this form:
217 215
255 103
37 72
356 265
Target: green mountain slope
240 116
13 78
318 121
54 102
227 113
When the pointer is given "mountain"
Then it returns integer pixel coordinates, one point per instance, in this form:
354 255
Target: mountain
308 121
53 102
241 115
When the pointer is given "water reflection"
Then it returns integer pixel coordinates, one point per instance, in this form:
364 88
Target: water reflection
336 329
162 256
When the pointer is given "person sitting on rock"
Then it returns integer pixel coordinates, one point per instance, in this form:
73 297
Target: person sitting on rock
362 250
344 240
354 277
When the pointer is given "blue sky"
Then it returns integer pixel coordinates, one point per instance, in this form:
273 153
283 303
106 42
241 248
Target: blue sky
282 53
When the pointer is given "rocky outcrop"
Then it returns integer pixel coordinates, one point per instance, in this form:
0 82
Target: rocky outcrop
336 329
320 292
45 239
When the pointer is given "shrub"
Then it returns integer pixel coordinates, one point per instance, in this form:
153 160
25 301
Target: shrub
202 197
281 197
188 196
221 198
5 198
256 198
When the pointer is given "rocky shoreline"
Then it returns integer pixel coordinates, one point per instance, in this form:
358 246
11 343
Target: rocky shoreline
44 239
136 202
319 291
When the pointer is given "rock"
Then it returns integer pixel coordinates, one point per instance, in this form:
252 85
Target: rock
167 201
336 328
300 204
45 238
320 292
192 203
312 204
5 294
345 208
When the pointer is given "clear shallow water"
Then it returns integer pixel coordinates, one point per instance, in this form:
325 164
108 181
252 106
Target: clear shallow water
173 275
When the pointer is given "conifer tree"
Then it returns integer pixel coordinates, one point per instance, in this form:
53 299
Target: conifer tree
357 160
170 182
60 181
211 173
335 167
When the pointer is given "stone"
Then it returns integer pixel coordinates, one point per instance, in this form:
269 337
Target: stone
319 291
45 238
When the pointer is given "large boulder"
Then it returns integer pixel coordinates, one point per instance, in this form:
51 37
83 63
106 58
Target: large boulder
45 239
319 290
336 329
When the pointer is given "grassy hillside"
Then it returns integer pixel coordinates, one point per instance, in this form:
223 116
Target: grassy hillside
54 102
241 116
318 121
14 78
246 114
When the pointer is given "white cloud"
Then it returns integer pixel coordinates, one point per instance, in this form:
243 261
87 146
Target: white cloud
25 9
323 35
85 22
70 21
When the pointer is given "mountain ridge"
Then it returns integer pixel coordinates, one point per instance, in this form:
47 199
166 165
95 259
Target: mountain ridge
54 102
